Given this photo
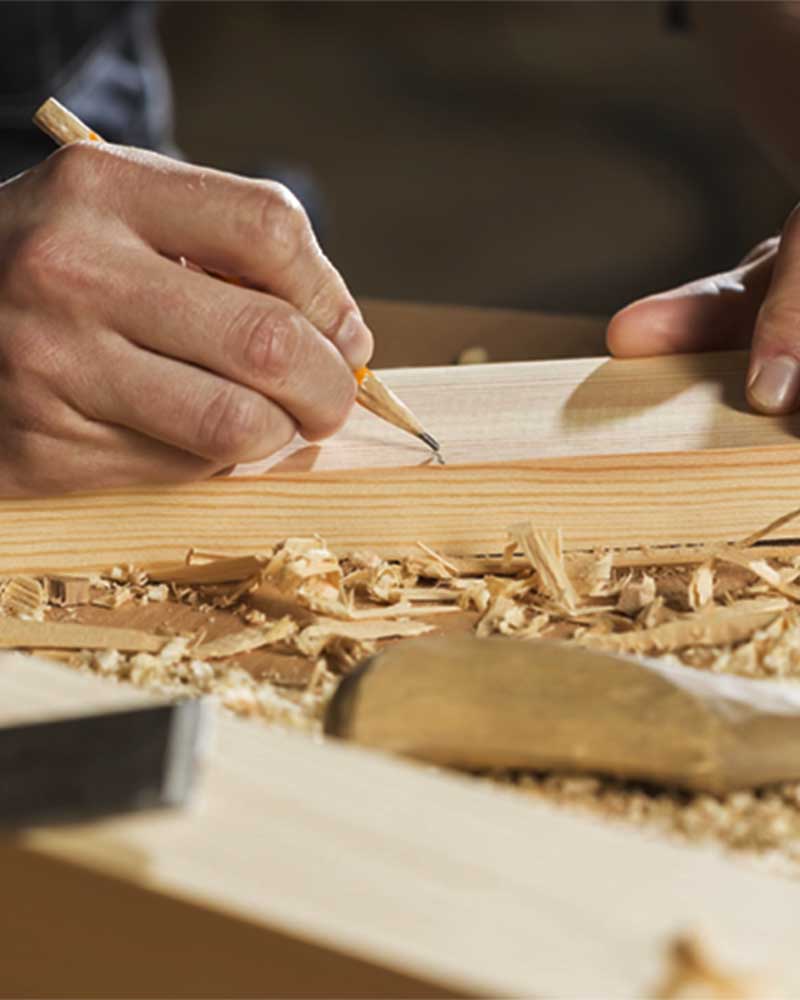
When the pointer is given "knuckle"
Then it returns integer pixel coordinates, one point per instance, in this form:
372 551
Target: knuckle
49 263
229 425
261 340
282 224
38 258
77 169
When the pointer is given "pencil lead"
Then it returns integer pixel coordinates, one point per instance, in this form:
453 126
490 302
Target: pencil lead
433 444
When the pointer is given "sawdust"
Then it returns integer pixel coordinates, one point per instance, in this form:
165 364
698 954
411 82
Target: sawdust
732 609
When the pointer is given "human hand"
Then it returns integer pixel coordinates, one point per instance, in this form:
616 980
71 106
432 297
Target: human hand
756 305
118 366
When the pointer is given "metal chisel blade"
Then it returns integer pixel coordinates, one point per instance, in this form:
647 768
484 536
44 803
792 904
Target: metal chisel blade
78 768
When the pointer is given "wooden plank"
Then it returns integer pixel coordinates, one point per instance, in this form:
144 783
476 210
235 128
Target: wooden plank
313 868
652 451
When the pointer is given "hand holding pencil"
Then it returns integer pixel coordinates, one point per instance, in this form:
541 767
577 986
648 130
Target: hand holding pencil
119 367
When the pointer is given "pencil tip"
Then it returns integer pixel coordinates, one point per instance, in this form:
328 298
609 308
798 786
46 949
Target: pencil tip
433 444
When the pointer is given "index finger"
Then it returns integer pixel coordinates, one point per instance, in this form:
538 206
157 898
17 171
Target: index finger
253 229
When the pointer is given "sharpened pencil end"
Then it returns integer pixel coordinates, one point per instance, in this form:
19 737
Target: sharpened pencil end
433 444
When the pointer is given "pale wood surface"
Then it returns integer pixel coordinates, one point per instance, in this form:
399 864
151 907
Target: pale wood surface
303 857
32 691
558 409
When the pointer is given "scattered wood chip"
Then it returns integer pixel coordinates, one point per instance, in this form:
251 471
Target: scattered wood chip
636 595
17 634
68 591
217 571
247 640
700 591
692 974
761 569
23 595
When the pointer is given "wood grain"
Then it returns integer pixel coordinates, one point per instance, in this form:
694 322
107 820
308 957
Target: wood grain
617 500
305 856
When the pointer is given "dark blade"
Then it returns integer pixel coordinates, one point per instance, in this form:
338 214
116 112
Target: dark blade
83 768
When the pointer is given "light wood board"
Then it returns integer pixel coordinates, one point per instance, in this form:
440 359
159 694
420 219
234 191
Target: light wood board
320 869
621 453
567 408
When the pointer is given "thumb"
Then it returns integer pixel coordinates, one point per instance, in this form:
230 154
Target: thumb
714 313
773 381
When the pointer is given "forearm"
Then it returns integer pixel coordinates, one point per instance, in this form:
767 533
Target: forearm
757 46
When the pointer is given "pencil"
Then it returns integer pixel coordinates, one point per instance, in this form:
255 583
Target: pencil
64 127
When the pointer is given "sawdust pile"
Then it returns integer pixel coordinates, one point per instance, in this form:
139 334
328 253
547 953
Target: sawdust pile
271 634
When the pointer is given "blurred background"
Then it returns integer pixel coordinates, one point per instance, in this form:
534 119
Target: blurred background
562 156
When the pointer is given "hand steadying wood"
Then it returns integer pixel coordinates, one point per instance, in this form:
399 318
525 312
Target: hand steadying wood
496 704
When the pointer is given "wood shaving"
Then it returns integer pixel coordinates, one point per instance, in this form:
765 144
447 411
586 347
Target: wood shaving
312 640
304 569
544 550
727 609
714 627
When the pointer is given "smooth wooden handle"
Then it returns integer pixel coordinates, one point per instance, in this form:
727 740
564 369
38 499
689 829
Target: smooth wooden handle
61 125
493 703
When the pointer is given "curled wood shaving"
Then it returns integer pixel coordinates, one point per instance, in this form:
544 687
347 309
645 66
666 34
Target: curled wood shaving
303 568
544 550
704 628
313 638
375 578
